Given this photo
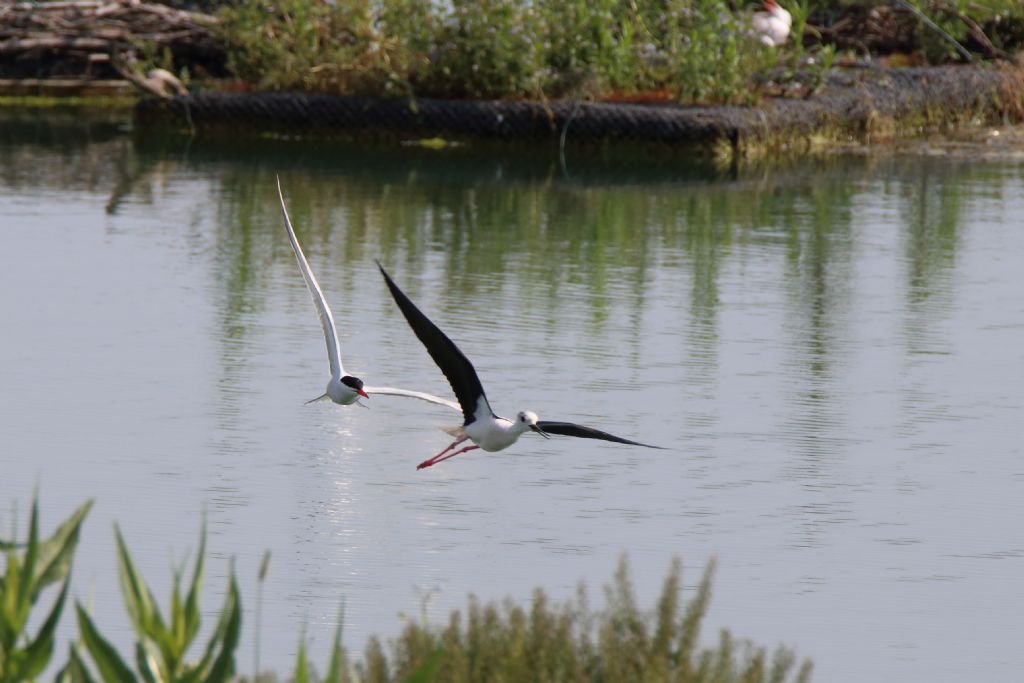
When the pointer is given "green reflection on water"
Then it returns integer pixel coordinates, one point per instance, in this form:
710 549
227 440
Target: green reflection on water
606 228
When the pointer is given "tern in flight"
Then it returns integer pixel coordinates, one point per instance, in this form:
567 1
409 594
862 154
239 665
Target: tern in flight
342 387
485 429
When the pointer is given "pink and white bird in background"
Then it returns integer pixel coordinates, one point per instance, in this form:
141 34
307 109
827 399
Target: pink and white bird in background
772 26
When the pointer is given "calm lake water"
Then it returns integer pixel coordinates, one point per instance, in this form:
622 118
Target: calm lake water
833 352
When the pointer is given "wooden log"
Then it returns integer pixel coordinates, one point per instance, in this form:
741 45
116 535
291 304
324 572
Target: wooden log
57 6
17 45
27 87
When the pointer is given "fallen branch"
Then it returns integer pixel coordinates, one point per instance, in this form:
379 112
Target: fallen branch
74 37
976 32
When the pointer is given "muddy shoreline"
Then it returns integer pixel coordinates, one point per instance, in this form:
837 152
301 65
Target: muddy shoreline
75 50
855 105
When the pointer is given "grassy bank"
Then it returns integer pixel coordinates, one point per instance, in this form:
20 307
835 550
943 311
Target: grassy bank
545 642
494 48
677 50
684 51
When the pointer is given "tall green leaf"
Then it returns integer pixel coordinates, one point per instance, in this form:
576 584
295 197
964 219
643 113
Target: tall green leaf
337 662
55 553
138 598
226 635
11 621
301 666
141 605
26 594
111 667
192 600
75 671
40 650
177 623
150 663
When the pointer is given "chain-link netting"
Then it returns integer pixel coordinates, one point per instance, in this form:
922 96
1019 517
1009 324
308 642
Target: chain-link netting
854 101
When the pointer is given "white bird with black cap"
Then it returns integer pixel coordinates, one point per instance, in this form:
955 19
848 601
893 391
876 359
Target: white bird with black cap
485 429
342 388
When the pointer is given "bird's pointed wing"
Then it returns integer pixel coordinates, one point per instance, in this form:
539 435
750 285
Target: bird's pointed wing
391 391
324 311
570 429
455 366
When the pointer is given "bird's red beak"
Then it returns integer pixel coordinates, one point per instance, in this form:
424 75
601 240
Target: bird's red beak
363 393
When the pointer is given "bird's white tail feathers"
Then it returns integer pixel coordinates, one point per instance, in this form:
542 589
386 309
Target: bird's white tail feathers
454 432
318 398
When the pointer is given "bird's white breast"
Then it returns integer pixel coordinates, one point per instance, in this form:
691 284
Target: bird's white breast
340 393
492 434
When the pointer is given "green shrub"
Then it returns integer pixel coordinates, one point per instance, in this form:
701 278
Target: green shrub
570 644
593 46
298 44
713 56
694 51
698 49
487 48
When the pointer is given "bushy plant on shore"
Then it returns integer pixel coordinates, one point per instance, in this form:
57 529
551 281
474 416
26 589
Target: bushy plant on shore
570 643
693 50
337 47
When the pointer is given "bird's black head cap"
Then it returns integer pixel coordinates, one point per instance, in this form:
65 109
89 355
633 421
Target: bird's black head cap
352 382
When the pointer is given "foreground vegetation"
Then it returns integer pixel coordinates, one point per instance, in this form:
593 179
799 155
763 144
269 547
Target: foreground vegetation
506 643
688 51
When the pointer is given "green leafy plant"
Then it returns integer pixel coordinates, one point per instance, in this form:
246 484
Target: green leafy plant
575 57
799 10
31 567
488 48
713 56
822 66
696 50
161 646
329 47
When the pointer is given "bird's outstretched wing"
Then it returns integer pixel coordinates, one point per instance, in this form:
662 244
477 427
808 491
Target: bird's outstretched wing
570 429
324 311
430 398
453 363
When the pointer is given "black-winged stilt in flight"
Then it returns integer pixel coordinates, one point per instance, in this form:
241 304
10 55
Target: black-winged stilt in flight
342 388
485 429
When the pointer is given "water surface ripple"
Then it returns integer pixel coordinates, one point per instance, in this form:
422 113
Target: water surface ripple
834 354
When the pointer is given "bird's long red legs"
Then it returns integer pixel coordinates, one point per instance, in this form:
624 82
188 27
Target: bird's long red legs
435 459
430 461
